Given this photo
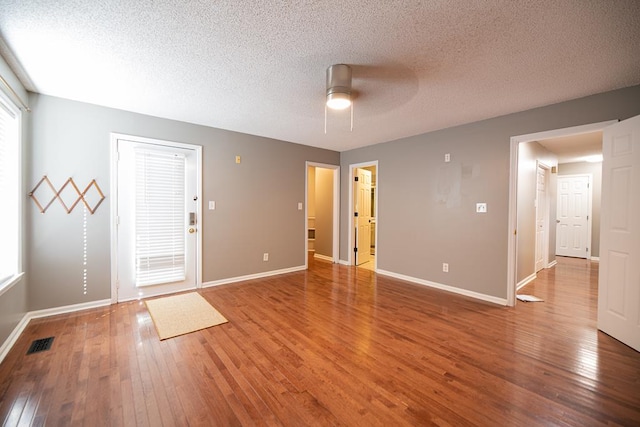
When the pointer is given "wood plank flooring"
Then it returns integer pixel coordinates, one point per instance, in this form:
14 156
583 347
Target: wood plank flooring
334 345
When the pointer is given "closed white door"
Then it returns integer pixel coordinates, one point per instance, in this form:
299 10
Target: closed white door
541 218
362 210
156 219
572 233
619 277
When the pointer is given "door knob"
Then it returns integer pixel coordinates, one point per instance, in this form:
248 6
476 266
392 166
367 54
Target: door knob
192 230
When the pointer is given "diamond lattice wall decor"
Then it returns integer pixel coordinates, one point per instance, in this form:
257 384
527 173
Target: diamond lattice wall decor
68 195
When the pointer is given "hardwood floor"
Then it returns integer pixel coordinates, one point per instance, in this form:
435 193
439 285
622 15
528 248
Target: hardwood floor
334 345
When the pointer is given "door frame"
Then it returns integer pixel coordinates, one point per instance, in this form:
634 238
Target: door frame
336 210
512 230
589 208
114 157
352 168
545 212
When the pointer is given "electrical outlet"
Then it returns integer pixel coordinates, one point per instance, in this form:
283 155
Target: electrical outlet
265 256
481 207
445 267
238 159
447 158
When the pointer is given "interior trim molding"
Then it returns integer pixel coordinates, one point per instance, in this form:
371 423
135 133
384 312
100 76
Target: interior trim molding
252 276
20 327
552 264
440 286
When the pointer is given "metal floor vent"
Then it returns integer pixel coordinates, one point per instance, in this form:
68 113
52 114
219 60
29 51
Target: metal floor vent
42 344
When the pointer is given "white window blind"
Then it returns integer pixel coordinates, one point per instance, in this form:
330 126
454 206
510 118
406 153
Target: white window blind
9 192
159 217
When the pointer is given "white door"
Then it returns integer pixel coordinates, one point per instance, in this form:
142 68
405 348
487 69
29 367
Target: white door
541 218
619 279
362 212
156 219
573 216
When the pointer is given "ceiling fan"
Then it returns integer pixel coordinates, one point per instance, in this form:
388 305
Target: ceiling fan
339 94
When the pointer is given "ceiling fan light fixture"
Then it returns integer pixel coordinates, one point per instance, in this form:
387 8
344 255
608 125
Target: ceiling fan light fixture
339 86
338 100
338 91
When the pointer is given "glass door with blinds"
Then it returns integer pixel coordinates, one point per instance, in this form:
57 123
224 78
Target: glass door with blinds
156 220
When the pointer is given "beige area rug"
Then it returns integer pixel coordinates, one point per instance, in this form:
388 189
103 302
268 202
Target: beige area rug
182 314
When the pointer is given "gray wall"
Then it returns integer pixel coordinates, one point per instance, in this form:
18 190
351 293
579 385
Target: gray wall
324 212
256 200
595 169
427 208
529 154
13 303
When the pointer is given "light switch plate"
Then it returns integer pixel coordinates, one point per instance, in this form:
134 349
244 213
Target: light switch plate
299 206
212 205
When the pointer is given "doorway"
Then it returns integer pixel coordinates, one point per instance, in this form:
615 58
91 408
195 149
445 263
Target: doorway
514 257
322 210
155 241
364 221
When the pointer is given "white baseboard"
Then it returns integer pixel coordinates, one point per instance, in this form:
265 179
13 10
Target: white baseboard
524 282
595 258
552 264
252 276
17 331
472 294
68 308
343 262
323 257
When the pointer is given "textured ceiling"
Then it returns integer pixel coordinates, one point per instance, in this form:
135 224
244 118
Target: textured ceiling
259 67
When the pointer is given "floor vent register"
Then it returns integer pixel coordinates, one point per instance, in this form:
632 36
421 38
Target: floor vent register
42 344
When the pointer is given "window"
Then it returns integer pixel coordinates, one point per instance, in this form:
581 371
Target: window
159 217
10 246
